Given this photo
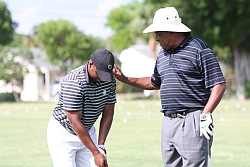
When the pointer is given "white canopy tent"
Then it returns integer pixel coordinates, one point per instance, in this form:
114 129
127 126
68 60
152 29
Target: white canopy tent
137 61
136 64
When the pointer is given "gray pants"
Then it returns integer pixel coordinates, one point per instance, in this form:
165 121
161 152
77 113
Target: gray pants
181 143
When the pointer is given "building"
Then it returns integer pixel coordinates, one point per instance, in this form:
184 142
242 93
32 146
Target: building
138 61
37 83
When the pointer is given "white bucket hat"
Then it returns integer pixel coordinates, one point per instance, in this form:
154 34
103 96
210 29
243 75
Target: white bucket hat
167 19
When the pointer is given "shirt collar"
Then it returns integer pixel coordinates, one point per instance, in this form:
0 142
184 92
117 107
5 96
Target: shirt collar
85 68
188 36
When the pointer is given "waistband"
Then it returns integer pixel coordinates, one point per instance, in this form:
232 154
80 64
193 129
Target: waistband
178 115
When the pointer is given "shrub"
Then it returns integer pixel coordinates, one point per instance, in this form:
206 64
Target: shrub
7 97
247 90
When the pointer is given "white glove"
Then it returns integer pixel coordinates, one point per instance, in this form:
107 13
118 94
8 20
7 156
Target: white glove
206 125
102 150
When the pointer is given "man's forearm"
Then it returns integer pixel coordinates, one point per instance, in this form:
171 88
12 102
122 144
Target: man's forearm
215 98
104 130
105 125
83 135
142 83
81 131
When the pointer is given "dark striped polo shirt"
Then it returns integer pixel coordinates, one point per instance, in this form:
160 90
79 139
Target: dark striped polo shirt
186 75
78 93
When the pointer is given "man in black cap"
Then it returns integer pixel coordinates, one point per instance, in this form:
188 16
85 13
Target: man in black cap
86 92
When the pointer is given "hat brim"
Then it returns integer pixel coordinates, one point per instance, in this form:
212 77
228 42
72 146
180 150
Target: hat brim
166 27
105 76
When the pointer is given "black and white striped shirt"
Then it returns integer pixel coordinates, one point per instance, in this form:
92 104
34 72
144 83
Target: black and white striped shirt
186 75
78 93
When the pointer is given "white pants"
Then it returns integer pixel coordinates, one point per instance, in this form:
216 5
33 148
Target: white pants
66 149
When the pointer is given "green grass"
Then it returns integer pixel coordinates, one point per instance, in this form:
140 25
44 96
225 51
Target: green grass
134 138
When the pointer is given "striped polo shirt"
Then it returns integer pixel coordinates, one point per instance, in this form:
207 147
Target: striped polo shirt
79 93
186 75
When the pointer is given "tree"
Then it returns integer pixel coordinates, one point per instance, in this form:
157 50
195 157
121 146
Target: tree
13 68
120 21
128 22
64 44
7 26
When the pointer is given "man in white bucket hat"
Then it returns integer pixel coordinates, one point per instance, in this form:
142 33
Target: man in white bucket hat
191 84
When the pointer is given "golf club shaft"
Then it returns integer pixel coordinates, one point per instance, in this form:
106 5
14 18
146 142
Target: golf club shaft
209 163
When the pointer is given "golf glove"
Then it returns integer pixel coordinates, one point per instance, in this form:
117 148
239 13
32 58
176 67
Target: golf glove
206 125
102 150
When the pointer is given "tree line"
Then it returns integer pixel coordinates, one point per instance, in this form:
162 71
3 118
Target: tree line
222 24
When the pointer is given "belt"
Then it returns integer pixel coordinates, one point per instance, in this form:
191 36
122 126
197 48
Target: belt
179 115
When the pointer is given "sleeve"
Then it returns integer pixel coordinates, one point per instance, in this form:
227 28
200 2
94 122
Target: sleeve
210 68
72 95
155 79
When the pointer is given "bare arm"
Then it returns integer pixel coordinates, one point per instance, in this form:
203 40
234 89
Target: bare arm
106 122
215 98
142 83
82 133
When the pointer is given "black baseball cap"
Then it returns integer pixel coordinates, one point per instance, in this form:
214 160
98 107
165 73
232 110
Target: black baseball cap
104 62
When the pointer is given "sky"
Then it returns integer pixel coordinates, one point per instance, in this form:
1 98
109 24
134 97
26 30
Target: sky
88 16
